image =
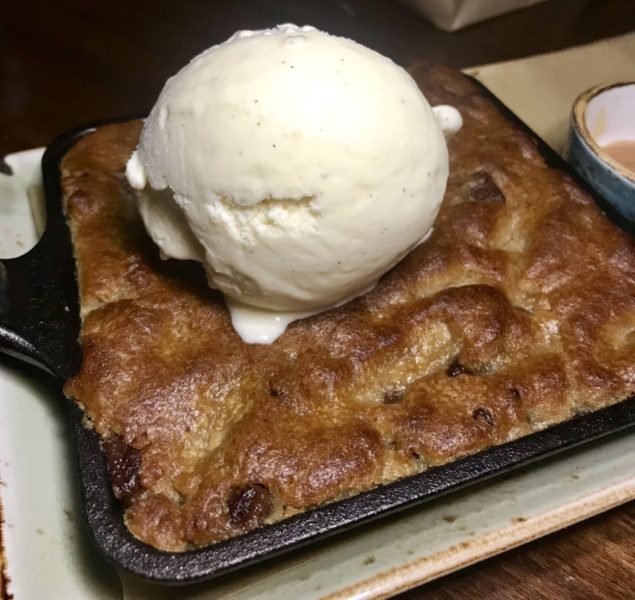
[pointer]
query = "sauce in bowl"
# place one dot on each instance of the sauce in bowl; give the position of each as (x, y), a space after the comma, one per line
(622, 151)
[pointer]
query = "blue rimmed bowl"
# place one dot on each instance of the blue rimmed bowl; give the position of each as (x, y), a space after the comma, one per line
(602, 115)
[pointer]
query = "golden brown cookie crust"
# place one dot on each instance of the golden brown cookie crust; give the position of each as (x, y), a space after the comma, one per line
(517, 313)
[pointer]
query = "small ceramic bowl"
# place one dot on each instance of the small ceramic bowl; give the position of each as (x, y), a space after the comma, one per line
(603, 115)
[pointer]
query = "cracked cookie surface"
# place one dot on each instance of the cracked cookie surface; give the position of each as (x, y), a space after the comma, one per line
(517, 313)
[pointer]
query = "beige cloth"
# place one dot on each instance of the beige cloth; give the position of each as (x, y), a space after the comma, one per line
(541, 89)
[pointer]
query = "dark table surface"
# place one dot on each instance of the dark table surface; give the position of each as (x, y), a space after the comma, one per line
(64, 63)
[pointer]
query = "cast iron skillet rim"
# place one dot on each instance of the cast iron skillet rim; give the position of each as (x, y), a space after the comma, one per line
(272, 540)
(105, 516)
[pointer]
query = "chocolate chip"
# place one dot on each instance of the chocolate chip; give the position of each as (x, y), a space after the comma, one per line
(123, 465)
(483, 415)
(275, 392)
(394, 396)
(482, 188)
(455, 369)
(251, 503)
(515, 393)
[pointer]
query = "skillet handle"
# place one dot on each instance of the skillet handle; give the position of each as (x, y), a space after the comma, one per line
(39, 316)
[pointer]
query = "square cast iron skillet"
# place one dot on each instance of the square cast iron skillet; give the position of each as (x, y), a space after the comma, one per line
(39, 323)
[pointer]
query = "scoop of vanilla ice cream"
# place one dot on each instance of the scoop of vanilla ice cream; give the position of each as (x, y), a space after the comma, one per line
(297, 166)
